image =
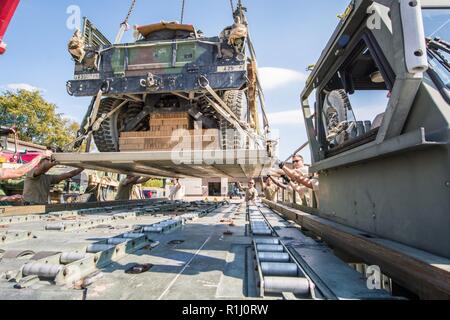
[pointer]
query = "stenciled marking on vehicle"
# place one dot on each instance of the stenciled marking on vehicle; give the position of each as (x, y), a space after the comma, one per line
(91, 76)
(231, 68)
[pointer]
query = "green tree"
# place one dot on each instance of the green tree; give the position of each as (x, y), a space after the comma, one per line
(37, 120)
(154, 183)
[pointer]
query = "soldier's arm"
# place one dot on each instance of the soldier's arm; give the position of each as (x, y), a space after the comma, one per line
(292, 174)
(68, 175)
(306, 182)
(128, 181)
(276, 172)
(43, 168)
(143, 180)
(278, 184)
(15, 198)
(264, 186)
(6, 174)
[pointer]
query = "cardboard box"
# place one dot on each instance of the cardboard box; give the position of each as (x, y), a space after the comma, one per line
(189, 139)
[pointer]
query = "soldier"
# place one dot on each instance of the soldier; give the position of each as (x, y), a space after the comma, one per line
(126, 187)
(175, 190)
(7, 174)
(38, 183)
(251, 194)
(270, 189)
(235, 191)
(299, 171)
(308, 182)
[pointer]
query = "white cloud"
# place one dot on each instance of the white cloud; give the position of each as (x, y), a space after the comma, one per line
(292, 117)
(23, 86)
(273, 78)
(369, 113)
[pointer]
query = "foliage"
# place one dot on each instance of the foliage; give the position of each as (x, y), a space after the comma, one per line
(37, 120)
(154, 183)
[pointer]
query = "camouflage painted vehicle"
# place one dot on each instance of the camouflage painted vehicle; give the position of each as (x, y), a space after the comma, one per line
(170, 68)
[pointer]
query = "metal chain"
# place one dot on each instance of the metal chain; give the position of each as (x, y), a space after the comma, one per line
(133, 4)
(183, 2)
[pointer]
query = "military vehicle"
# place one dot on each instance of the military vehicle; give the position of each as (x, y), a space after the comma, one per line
(387, 175)
(171, 68)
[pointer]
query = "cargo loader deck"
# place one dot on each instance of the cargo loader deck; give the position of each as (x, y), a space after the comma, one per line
(198, 164)
(169, 251)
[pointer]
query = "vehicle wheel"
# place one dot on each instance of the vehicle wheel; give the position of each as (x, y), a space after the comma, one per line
(237, 102)
(336, 108)
(107, 137)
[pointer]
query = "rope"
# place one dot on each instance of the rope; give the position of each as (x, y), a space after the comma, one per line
(262, 98)
(183, 3)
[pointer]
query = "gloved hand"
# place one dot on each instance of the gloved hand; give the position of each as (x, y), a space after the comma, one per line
(286, 179)
(281, 165)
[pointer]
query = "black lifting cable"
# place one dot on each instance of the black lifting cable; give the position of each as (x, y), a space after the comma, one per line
(130, 11)
(183, 3)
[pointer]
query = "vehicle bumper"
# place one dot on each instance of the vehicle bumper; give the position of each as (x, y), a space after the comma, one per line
(164, 84)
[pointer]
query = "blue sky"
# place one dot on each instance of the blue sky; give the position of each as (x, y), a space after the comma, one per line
(288, 35)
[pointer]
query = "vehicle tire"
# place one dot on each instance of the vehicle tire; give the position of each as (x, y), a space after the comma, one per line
(336, 110)
(338, 101)
(107, 137)
(237, 102)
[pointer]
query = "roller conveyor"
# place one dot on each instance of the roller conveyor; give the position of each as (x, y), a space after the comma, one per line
(197, 243)
(67, 268)
(277, 270)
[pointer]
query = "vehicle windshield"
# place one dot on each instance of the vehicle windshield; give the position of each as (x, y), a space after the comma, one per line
(437, 26)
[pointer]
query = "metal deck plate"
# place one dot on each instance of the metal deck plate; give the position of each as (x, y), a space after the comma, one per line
(206, 258)
(198, 164)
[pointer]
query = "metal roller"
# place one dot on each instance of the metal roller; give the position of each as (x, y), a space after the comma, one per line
(55, 227)
(255, 228)
(273, 257)
(117, 241)
(42, 270)
(132, 235)
(259, 225)
(153, 229)
(276, 269)
(280, 285)
(95, 248)
(269, 248)
(267, 241)
(69, 257)
(262, 232)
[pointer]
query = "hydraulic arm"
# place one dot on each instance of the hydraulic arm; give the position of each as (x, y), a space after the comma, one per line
(7, 9)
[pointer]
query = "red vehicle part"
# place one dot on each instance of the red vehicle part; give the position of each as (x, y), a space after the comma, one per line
(7, 9)
(18, 158)
(15, 157)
